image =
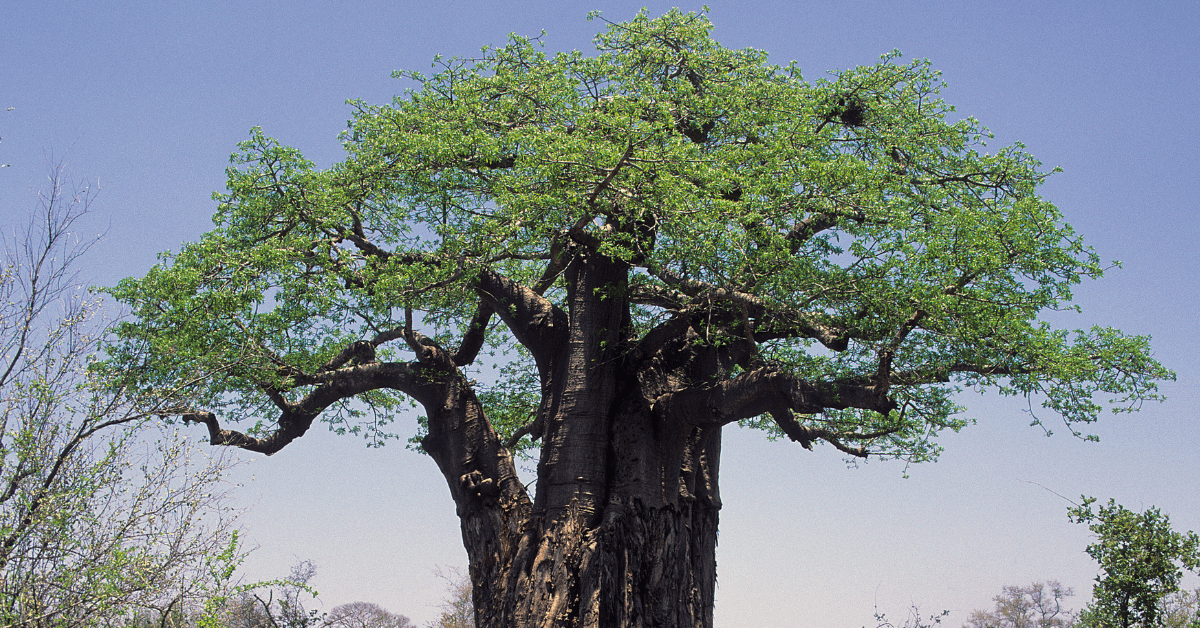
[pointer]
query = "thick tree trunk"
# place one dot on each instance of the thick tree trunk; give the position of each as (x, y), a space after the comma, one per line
(626, 561)
(639, 567)
(622, 528)
(634, 565)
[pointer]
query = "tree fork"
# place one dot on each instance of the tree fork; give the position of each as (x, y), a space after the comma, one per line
(633, 541)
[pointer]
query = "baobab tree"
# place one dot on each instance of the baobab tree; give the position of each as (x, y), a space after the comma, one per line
(664, 238)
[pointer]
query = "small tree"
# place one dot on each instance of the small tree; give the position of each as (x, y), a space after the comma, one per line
(98, 518)
(1141, 561)
(1182, 609)
(1039, 605)
(458, 610)
(365, 615)
(269, 604)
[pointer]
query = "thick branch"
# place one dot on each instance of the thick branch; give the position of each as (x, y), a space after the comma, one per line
(703, 289)
(763, 391)
(521, 432)
(671, 330)
(774, 324)
(294, 421)
(361, 352)
(804, 230)
(771, 322)
(658, 296)
(536, 323)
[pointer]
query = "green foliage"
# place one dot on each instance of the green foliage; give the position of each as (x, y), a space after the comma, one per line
(1141, 561)
(861, 204)
(279, 603)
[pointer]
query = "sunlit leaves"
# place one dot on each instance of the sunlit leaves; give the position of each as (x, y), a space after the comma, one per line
(1141, 561)
(860, 204)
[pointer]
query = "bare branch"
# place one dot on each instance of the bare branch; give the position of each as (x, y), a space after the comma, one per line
(297, 417)
(763, 391)
(805, 435)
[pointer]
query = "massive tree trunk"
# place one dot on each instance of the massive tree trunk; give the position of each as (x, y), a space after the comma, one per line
(615, 561)
(622, 528)
(628, 565)
(636, 566)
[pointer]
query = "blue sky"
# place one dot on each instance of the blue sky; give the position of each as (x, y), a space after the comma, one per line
(149, 99)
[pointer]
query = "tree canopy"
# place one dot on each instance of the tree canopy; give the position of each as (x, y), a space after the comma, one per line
(851, 229)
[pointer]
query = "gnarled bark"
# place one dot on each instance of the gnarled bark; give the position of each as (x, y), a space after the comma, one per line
(623, 527)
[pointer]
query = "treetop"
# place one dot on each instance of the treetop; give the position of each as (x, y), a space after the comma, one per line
(853, 232)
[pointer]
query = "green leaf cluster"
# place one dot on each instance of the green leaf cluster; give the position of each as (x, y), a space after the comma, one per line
(1141, 561)
(859, 203)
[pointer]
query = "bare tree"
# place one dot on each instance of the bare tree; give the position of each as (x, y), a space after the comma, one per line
(913, 620)
(1039, 605)
(365, 615)
(458, 609)
(98, 517)
(1182, 609)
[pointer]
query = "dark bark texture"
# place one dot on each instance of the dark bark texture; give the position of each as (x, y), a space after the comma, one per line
(622, 528)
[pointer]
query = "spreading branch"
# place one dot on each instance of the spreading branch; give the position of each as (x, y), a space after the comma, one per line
(763, 391)
(296, 417)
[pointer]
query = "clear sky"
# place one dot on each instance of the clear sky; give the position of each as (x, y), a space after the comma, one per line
(149, 98)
